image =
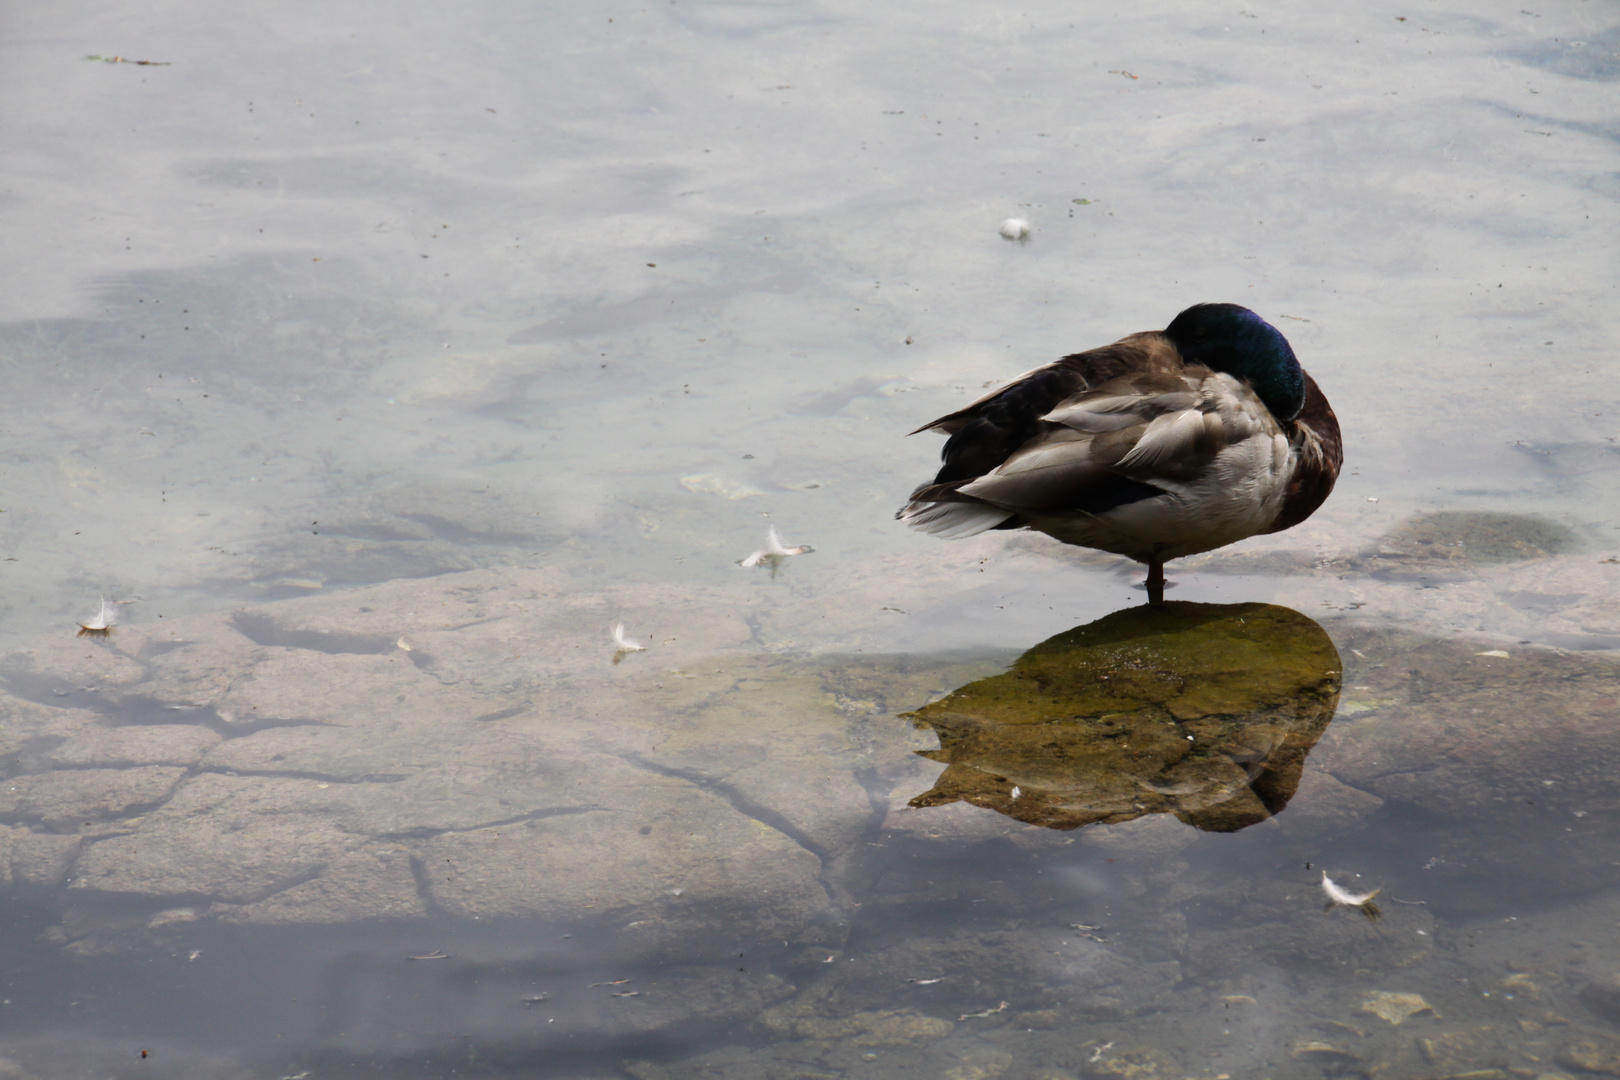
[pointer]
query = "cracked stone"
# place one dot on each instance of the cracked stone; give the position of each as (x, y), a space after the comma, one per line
(27, 730)
(31, 858)
(682, 858)
(232, 839)
(379, 692)
(367, 882)
(122, 747)
(71, 798)
(69, 665)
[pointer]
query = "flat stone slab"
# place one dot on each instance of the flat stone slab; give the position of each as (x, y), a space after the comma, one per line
(473, 746)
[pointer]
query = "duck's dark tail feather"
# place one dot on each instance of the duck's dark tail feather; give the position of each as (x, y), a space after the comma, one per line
(938, 510)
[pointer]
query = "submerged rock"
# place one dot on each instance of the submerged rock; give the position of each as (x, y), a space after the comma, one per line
(1394, 1007)
(1592, 1055)
(65, 799)
(459, 746)
(1467, 538)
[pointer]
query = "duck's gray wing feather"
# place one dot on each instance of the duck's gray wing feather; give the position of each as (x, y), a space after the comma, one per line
(1123, 433)
(986, 432)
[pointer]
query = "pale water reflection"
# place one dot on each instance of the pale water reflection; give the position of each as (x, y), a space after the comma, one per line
(377, 362)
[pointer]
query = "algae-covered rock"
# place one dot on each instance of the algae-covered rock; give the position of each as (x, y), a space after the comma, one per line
(1203, 711)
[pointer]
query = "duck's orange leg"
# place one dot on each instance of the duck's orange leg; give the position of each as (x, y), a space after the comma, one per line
(1155, 581)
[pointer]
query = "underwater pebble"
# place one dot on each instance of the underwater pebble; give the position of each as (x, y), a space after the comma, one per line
(1395, 1008)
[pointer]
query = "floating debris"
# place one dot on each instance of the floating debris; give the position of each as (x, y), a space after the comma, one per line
(629, 993)
(623, 644)
(536, 999)
(926, 982)
(102, 624)
(436, 954)
(988, 1012)
(1395, 1008)
(773, 553)
(143, 63)
(615, 982)
(1015, 228)
(1338, 896)
(1495, 652)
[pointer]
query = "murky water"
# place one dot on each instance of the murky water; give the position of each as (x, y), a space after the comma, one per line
(375, 361)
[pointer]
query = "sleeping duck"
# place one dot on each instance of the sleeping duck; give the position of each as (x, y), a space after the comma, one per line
(1163, 444)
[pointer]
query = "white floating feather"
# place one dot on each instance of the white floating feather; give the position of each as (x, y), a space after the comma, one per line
(773, 552)
(1338, 895)
(625, 644)
(1015, 228)
(102, 623)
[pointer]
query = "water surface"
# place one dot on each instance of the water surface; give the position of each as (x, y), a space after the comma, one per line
(377, 361)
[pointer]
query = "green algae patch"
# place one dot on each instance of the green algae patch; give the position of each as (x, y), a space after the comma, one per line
(1204, 711)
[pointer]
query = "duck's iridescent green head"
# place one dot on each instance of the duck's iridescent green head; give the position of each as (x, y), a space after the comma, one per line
(1233, 339)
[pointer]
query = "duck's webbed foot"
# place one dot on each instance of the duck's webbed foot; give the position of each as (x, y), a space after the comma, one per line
(1155, 581)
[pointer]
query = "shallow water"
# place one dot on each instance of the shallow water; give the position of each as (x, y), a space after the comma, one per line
(377, 361)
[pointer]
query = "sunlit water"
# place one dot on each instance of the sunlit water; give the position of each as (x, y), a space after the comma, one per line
(553, 310)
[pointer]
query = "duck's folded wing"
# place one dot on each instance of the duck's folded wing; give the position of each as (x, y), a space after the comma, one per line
(1044, 385)
(1124, 403)
(989, 430)
(1040, 389)
(1113, 449)
(1063, 471)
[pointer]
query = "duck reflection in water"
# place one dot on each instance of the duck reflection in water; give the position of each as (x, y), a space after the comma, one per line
(1203, 711)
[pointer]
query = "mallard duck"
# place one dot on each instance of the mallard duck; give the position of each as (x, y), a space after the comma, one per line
(1164, 444)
